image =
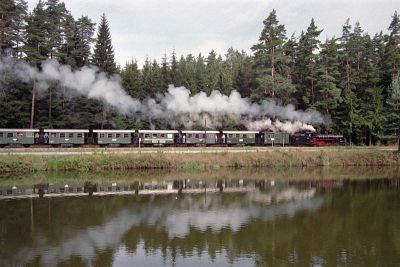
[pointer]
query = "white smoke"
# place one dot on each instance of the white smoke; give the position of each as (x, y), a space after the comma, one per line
(278, 126)
(177, 105)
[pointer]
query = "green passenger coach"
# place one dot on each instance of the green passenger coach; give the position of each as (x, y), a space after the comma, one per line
(280, 138)
(18, 136)
(158, 137)
(65, 136)
(200, 137)
(109, 137)
(240, 137)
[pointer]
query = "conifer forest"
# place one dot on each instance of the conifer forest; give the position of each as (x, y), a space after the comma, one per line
(353, 80)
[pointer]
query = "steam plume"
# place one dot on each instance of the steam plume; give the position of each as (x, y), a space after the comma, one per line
(177, 105)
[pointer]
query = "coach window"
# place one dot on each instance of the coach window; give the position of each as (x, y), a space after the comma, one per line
(245, 136)
(79, 135)
(1, 135)
(53, 135)
(190, 135)
(71, 135)
(19, 134)
(204, 135)
(118, 135)
(154, 135)
(237, 135)
(101, 135)
(162, 135)
(230, 135)
(126, 135)
(109, 135)
(10, 135)
(146, 135)
(29, 134)
(197, 135)
(62, 135)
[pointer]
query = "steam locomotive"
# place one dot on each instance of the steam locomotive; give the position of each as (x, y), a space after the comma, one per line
(95, 137)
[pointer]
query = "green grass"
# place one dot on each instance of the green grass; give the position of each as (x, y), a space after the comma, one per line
(199, 161)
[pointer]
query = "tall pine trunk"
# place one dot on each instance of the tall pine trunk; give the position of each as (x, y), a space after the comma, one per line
(50, 124)
(33, 103)
(273, 71)
(369, 138)
(312, 92)
(398, 143)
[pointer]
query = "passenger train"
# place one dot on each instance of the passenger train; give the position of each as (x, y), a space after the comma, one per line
(96, 137)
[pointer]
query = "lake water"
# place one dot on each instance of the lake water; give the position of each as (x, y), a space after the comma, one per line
(258, 217)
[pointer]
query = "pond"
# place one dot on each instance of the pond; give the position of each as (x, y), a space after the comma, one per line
(254, 217)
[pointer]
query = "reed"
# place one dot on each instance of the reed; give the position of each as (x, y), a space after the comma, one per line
(199, 161)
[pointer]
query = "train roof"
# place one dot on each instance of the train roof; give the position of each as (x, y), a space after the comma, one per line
(113, 131)
(329, 135)
(200, 132)
(19, 130)
(158, 131)
(240, 132)
(65, 130)
(270, 132)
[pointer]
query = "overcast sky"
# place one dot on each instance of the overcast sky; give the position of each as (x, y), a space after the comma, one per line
(141, 28)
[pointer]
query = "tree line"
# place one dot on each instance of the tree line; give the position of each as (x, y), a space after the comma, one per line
(353, 79)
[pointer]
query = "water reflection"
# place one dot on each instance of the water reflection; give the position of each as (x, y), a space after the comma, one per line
(305, 223)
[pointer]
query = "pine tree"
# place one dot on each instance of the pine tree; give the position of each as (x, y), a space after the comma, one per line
(241, 73)
(56, 14)
(270, 60)
(327, 95)
(165, 79)
(393, 125)
(188, 67)
(35, 45)
(213, 72)
(176, 76)
(103, 55)
(12, 23)
(131, 80)
(225, 81)
(146, 82)
(289, 50)
(349, 118)
(373, 114)
(199, 75)
(86, 29)
(307, 63)
(68, 52)
(392, 52)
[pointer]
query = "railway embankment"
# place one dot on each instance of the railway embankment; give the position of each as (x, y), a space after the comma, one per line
(196, 159)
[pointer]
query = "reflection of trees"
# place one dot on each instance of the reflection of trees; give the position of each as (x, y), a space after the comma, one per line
(353, 227)
(55, 219)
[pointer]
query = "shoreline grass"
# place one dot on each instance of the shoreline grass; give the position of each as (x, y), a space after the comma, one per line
(199, 161)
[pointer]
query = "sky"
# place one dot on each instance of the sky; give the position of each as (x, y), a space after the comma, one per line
(152, 28)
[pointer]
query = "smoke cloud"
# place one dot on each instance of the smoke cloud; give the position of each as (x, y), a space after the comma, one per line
(177, 105)
(278, 126)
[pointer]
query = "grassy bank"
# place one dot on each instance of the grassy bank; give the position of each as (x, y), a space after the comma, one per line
(200, 161)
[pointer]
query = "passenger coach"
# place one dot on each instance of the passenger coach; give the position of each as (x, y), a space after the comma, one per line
(200, 137)
(158, 137)
(239, 137)
(65, 137)
(18, 137)
(113, 137)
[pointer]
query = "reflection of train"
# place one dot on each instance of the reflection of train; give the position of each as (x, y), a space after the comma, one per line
(79, 137)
